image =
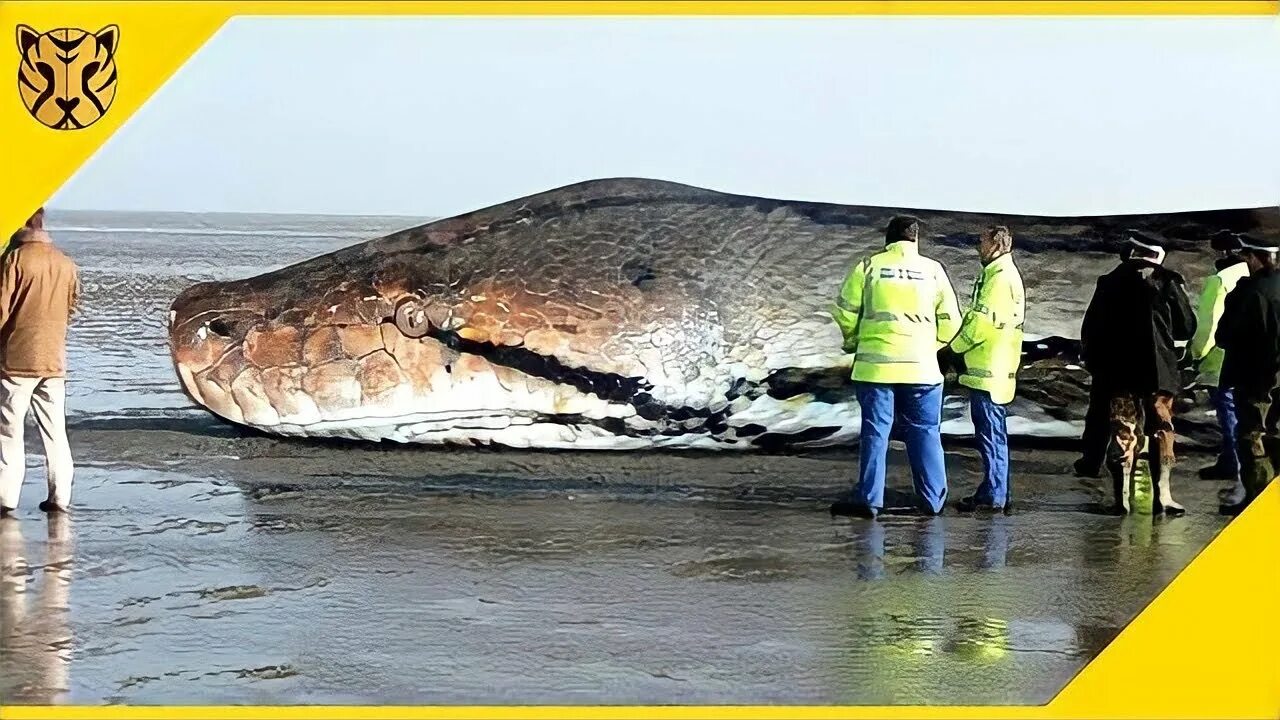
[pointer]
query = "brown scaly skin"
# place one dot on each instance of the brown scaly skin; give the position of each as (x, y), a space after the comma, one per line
(620, 313)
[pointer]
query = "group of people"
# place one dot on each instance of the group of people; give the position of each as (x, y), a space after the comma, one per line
(39, 290)
(1138, 313)
(900, 319)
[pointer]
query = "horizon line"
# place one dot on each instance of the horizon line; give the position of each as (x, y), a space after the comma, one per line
(56, 208)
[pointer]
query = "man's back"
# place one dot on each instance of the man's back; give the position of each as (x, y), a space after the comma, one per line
(896, 309)
(1137, 314)
(905, 311)
(1105, 324)
(39, 286)
(1203, 349)
(1249, 333)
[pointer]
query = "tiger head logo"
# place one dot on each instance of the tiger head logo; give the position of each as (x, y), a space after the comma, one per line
(67, 77)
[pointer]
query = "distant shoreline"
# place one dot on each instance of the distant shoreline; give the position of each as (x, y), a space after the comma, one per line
(54, 212)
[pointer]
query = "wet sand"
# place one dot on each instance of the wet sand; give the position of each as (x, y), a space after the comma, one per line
(202, 566)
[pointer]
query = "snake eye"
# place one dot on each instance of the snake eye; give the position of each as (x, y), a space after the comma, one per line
(411, 318)
(220, 327)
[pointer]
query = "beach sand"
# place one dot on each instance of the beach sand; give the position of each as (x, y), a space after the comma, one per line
(206, 567)
(202, 565)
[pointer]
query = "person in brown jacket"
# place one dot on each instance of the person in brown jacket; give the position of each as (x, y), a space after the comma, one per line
(39, 288)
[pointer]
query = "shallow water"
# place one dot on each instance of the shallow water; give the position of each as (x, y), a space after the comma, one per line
(205, 566)
(229, 570)
(133, 265)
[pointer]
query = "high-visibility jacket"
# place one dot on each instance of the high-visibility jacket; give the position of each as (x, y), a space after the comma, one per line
(896, 310)
(1203, 349)
(990, 337)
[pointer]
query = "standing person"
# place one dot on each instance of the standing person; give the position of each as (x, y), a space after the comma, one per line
(35, 222)
(896, 310)
(1249, 335)
(39, 288)
(990, 345)
(1096, 433)
(1231, 268)
(1137, 313)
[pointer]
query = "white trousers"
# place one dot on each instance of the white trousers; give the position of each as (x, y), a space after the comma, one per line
(46, 398)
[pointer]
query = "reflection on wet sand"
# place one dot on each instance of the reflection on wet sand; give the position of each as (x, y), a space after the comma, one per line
(995, 535)
(35, 638)
(229, 570)
(939, 618)
(929, 545)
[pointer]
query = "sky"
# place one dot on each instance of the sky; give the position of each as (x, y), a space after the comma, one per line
(438, 116)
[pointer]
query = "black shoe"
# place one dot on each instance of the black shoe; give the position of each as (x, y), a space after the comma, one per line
(51, 507)
(1085, 469)
(849, 508)
(1233, 510)
(1118, 509)
(6, 511)
(1217, 472)
(971, 504)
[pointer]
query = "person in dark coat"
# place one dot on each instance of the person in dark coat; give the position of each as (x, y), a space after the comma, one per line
(1097, 431)
(1138, 311)
(1249, 334)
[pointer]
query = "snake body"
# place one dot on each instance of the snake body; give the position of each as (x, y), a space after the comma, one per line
(612, 314)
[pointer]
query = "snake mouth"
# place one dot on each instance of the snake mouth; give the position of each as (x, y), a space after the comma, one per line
(404, 371)
(206, 341)
(412, 372)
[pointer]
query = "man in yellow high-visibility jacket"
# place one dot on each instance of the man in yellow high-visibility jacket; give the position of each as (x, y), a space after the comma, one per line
(896, 310)
(990, 343)
(1231, 268)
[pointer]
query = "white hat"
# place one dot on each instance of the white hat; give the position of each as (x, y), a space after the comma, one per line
(1147, 243)
(1248, 243)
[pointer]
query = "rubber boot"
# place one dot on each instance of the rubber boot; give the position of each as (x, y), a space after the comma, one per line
(1164, 501)
(1161, 459)
(1121, 479)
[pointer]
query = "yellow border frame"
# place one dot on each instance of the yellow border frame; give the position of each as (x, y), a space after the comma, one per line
(1208, 646)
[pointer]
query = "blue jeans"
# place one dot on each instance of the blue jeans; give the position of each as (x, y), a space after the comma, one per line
(920, 411)
(993, 445)
(1224, 403)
